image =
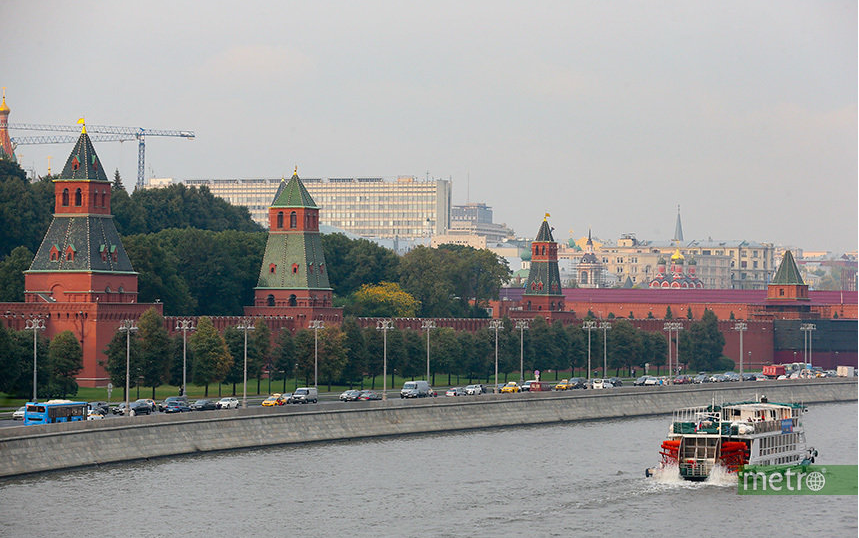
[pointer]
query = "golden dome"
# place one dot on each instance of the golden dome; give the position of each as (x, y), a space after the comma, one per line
(677, 255)
(4, 109)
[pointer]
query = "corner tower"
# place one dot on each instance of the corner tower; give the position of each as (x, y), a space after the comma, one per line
(543, 289)
(293, 279)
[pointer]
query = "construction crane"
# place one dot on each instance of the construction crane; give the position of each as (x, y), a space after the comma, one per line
(98, 133)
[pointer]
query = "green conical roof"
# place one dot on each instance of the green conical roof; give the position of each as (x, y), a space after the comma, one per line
(545, 233)
(293, 194)
(83, 163)
(787, 272)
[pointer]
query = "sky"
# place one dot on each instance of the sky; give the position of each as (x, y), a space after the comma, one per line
(607, 115)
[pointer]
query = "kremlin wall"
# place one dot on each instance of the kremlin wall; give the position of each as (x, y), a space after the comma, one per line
(81, 280)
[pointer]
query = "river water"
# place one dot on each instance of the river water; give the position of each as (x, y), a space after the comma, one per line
(582, 478)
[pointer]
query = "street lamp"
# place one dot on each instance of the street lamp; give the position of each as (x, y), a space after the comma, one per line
(589, 325)
(384, 325)
(522, 325)
(676, 327)
(806, 328)
(127, 326)
(35, 325)
(316, 324)
(741, 327)
(245, 324)
(605, 326)
(428, 324)
(184, 325)
(496, 325)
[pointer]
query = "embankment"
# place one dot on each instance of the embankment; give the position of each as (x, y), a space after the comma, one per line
(32, 449)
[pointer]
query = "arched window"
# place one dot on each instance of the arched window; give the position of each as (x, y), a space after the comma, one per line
(280, 219)
(272, 268)
(103, 198)
(78, 198)
(292, 301)
(270, 300)
(293, 219)
(544, 250)
(65, 197)
(95, 198)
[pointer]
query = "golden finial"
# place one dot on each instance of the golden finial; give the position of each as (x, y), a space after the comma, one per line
(83, 124)
(3, 106)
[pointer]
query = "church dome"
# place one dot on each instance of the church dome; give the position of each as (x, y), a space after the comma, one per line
(677, 256)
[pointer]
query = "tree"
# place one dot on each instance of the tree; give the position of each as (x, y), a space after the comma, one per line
(154, 349)
(159, 278)
(284, 356)
(656, 350)
(386, 299)
(12, 274)
(355, 262)
(356, 352)
(116, 351)
(65, 359)
(668, 314)
(624, 345)
(11, 365)
(262, 351)
(706, 343)
(117, 183)
(332, 354)
(235, 340)
(212, 359)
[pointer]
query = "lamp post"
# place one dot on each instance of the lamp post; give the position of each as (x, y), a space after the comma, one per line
(806, 328)
(605, 326)
(522, 325)
(496, 325)
(245, 324)
(35, 325)
(676, 327)
(384, 325)
(589, 325)
(741, 327)
(428, 324)
(316, 324)
(184, 325)
(127, 326)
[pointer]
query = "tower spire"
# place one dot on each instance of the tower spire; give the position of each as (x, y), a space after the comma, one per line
(678, 228)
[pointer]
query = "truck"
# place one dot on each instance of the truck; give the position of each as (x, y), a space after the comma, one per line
(845, 371)
(774, 370)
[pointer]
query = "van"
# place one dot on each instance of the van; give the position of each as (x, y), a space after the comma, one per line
(305, 395)
(415, 389)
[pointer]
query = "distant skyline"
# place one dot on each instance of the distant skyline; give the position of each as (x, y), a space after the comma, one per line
(604, 114)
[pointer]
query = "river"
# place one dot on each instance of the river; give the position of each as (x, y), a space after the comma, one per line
(583, 478)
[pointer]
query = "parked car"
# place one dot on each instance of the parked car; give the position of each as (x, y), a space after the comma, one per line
(640, 381)
(305, 395)
(119, 409)
(599, 383)
(94, 415)
(274, 400)
(163, 405)
(19, 414)
(526, 386)
(701, 378)
(652, 381)
(151, 403)
(683, 379)
(510, 387)
(474, 390)
(369, 395)
(415, 389)
(578, 383)
(455, 391)
(616, 381)
(227, 403)
(350, 395)
(141, 408)
(204, 405)
(99, 407)
(177, 406)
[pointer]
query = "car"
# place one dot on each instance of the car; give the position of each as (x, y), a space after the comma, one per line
(369, 395)
(510, 387)
(701, 378)
(204, 405)
(19, 414)
(119, 409)
(640, 381)
(599, 383)
(474, 390)
(100, 407)
(163, 405)
(415, 389)
(578, 383)
(94, 415)
(718, 378)
(304, 395)
(526, 386)
(761, 377)
(151, 403)
(350, 395)
(652, 381)
(563, 384)
(455, 391)
(228, 402)
(141, 408)
(683, 379)
(274, 400)
(177, 406)
(616, 381)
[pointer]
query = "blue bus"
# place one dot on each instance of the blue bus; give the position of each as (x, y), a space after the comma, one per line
(54, 411)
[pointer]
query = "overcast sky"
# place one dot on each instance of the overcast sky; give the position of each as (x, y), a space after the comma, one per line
(604, 114)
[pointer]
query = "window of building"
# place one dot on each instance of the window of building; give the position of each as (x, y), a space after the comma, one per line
(270, 300)
(293, 219)
(65, 197)
(280, 219)
(78, 198)
(272, 268)
(294, 268)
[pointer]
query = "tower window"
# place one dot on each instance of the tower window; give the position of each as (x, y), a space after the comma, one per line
(78, 198)
(293, 219)
(65, 197)
(272, 268)
(294, 268)
(103, 199)
(270, 300)
(280, 219)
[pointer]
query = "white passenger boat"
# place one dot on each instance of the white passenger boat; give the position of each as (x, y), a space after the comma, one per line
(734, 434)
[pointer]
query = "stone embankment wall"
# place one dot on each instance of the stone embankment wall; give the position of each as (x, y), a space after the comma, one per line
(30, 449)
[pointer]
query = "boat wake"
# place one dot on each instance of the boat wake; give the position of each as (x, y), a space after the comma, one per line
(721, 476)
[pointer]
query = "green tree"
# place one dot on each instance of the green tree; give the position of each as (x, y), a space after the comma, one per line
(284, 356)
(116, 185)
(159, 278)
(656, 350)
(11, 366)
(212, 359)
(262, 351)
(668, 314)
(12, 274)
(65, 359)
(117, 349)
(353, 263)
(235, 340)
(332, 354)
(356, 352)
(706, 343)
(154, 349)
(624, 346)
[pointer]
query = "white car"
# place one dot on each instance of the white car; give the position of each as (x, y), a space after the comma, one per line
(601, 384)
(19, 414)
(473, 390)
(92, 415)
(227, 403)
